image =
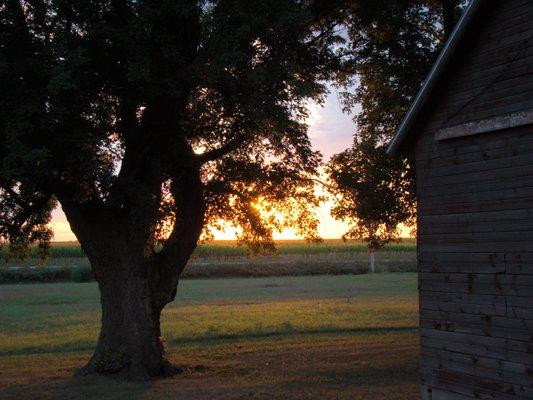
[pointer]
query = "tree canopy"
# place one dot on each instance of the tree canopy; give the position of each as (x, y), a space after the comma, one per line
(106, 103)
(393, 45)
(375, 188)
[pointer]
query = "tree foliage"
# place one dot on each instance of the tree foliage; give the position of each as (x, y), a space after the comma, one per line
(368, 182)
(393, 45)
(108, 104)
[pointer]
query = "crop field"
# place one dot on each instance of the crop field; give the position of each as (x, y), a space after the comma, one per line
(294, 337)
(229, 248)
(227, 259)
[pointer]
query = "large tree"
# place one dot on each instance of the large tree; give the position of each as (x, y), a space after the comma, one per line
(393, 44)
(148, 121)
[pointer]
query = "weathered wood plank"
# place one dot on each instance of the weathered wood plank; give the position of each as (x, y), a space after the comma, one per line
(480, 263)
(428, 149)
(491, 257)
(486, 88)
(505, 349)
(489, 125)
(434, 303)
(477, 268)
(478, 288)
(485, 320)
(477, 330)
(506, 236)
(470, 278)
(500, 173)
(500, 370)
(472, 218)
(464, 298)
(465, 158)
(487, 98)
(477, 387)
(486, 165)
(438, 394)
(466, 308)
(464, 228)
(487, 247)
(508, 204)
(496, 65)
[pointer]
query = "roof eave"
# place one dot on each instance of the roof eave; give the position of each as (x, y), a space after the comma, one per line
(433, 76)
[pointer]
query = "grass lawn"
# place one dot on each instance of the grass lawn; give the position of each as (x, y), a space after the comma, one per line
(319, 337)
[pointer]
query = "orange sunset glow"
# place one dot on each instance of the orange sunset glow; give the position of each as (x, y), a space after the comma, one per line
(330, 131)
(329, 228)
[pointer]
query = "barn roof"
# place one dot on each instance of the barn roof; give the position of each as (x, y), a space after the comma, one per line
(434, 75)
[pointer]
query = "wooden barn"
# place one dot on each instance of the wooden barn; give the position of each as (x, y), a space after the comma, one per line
(470, 131)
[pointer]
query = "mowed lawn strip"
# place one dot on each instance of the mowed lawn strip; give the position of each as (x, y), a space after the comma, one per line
(290, 337)
(65, 317)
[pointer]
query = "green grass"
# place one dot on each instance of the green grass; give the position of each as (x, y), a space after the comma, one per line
(64, 317)
(313, 337)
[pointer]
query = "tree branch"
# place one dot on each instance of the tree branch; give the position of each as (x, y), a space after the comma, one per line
(226, 148)
(187, 190)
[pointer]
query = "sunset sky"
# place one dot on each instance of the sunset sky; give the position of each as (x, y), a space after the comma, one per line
(330, 131)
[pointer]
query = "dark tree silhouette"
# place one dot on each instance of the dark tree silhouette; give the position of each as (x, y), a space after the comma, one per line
(393, 46)
(148, 121)
(373, 191)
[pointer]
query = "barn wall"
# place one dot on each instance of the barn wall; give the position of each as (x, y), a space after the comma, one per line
(475, 207)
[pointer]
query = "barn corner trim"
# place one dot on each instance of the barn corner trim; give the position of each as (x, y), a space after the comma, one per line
(433, 76)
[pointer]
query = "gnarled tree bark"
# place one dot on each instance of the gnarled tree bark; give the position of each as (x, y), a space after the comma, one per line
(136, 282)
(130, 338)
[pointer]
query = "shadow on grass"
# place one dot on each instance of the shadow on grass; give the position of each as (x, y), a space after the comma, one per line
(59, 388)
(213, 335)
(341, 370)
(378, 377)
(100, 387)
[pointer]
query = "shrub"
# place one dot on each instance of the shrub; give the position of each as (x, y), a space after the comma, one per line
(34, 274)
(81, 273)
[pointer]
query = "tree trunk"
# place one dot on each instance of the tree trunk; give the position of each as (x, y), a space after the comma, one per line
(136, 282)
(130, 342)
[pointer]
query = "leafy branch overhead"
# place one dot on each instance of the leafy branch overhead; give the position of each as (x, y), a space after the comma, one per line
(393, 44)
(105, 104)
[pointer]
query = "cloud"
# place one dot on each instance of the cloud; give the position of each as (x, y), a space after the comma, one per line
(330, 130)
